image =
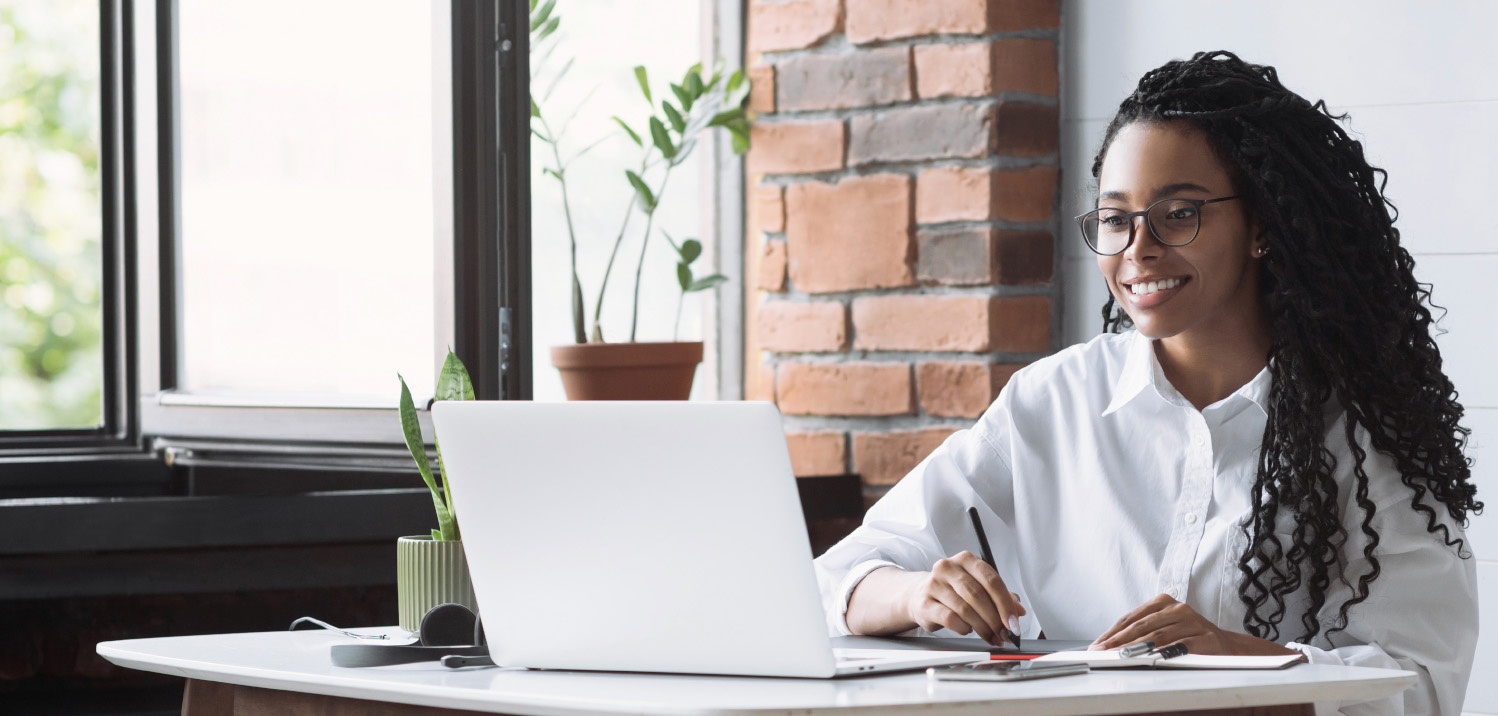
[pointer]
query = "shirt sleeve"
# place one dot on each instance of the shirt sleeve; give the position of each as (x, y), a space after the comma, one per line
(1420, 616)
(923, 518)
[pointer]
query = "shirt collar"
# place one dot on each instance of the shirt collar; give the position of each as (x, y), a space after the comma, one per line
(1257, 390)
(1138, 372)
(1142, 369)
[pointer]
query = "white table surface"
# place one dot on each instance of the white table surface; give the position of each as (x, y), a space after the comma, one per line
(298, 661)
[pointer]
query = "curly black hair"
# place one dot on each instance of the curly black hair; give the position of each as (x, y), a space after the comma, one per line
(1349, 324)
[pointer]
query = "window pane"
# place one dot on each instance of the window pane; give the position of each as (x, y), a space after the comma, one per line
(51, 358)
(604, 41)
(306, 204)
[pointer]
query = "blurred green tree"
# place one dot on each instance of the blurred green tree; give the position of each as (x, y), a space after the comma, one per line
(51, 357)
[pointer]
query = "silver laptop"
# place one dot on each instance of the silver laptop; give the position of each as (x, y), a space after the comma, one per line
(634, 536)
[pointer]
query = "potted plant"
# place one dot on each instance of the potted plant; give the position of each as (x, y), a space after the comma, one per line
(591, 367)
(432, 569)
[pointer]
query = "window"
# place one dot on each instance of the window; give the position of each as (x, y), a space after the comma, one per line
(340, 202)
(583, 76)
(51, 217)
(307, 231)
(65, 363)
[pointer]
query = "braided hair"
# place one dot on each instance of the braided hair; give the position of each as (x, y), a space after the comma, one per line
(1349, 323)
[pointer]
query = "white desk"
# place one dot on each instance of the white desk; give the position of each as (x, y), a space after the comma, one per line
(282, 667)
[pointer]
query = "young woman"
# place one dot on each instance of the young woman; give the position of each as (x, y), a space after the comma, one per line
(1268, 461)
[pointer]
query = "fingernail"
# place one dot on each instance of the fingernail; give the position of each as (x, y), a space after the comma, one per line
(1014, 625)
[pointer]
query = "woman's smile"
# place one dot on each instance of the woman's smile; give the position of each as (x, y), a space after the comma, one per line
(1146, 292)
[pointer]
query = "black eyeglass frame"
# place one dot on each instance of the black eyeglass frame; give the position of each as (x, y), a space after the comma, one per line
(1129, 216)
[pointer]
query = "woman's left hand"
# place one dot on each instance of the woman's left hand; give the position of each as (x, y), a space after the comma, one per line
(1165, 621)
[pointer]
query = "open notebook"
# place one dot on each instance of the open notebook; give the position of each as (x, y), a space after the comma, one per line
(1111, 659)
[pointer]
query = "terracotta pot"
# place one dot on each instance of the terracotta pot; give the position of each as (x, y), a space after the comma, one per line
(627, 371)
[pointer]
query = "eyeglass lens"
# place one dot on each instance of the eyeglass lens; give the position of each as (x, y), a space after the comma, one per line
(1174, 222)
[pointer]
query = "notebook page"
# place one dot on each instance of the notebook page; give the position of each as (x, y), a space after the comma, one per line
(1201, 661)
(1108, 659)
(1112, 659)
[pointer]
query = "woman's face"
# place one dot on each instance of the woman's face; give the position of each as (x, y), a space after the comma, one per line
(1215, 277)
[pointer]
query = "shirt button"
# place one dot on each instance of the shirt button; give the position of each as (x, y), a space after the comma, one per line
(1172, 593)
(1190, 518)
(1198, 441)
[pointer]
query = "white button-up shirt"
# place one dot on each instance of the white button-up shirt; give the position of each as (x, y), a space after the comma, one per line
(1100, 487)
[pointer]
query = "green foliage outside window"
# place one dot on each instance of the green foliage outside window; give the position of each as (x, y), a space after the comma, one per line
(51, 360)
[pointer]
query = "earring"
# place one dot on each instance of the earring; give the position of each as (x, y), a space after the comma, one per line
(1261, 251)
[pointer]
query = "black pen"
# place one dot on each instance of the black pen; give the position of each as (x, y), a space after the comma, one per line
(972, 512)
(1172, 651)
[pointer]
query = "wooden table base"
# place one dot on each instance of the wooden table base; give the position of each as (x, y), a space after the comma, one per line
(212, 698)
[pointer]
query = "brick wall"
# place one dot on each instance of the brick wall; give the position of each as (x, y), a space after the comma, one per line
(902, 219)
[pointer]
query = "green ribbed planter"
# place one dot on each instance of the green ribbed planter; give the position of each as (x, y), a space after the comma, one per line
(429, 572)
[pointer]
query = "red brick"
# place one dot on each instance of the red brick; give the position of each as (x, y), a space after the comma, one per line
(1027, 130)
(762, 89)
(863, 78)
(924, 323)
(1012, 15)
(981, 69)
(775, 26)
(772, 266)
(1024, 194)
(870, 20)
(818, 453)
(960, 389)
(943, 131)
(1022, 324)
(770, 203)
(1024, 65)
(1025, 257)
(957, 257)
(793, 147)
(802, 327)
(856, 388)
(954, 194)
(854, 234)
(884, 458)
(963, 70)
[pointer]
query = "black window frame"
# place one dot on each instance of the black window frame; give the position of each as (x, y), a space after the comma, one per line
(117, 432)
(491, 277)
(490, 253)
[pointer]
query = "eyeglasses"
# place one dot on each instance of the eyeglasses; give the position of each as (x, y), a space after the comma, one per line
(1173, 222)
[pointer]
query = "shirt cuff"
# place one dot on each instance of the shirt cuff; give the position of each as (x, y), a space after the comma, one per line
(845, 592)
(1316, 655)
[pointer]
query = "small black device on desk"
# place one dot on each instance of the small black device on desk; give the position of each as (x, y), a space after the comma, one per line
(1005, 670)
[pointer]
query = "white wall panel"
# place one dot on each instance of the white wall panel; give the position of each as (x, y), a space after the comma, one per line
(1079, 141)
(1082, 318)
(1352, 52)
(1465, 286)
(1438, 157)
(1482, 447)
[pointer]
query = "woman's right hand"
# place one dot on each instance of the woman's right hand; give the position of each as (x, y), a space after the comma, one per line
(964, 594)
(961, 593)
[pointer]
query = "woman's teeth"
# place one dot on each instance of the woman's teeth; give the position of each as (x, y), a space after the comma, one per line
(1149, 287)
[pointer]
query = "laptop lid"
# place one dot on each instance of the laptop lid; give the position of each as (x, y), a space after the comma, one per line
(635, 536)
